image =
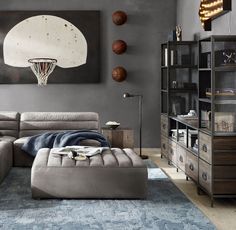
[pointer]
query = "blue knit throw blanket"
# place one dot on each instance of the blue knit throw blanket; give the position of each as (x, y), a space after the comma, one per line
(61, 139)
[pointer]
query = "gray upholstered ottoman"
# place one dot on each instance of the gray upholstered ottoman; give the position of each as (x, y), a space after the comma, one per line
(115, 173)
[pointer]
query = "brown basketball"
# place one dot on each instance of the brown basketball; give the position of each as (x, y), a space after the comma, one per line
(119, 74)
(119, 46)
(119, 17)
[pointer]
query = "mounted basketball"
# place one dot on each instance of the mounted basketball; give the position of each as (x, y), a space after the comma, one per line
(119, 74)
(119, 46)
(119, 17)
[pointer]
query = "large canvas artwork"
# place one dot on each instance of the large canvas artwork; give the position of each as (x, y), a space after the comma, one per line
(65, 43)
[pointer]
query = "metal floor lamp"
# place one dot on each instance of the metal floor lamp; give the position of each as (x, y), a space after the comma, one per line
(140, 97)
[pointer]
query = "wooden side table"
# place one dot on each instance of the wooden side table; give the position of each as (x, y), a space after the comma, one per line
(119, 137)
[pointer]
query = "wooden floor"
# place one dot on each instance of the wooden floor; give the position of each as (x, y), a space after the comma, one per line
(223, 214)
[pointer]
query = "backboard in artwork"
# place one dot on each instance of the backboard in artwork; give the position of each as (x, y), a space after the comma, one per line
(72, 38)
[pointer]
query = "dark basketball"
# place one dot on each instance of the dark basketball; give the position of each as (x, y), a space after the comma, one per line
(119, 17)
(119, 46)
(119, 74)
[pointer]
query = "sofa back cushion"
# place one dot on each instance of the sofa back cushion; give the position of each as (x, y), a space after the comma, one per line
(9, 124)
(33, 123)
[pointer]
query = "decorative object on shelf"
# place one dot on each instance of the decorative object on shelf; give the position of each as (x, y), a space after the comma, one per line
(221, 92)
(119, 46)
(119, 17)
(205, 118)
(177, 133)
(112, 124)
(174, 85)
(224, 121)
(211, 9)
(229, 57)
(173, 57)
(191, 114)
(191, 118)
(195, 146)
(177, 105)
(205, 60)
(43, 40)
(166, 57)
(178, 33)
(192, 136)
(140, 97)
(119, 74)
(225, 57)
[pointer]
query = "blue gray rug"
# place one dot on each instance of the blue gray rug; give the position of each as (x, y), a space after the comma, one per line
(166, 208)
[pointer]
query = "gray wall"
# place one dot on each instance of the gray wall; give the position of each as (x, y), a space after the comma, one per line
(149, 21)
(187, 17)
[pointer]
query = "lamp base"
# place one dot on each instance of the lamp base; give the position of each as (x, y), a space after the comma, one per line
(144, 157)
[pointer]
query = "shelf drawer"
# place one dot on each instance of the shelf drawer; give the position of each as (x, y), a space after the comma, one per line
(225, 158)
(227, 187)
(205, 177)
(225, 143)
(164, 146)
(225, 172)
(181, 157)
(172, 152)
(164, 125)
(205, 148)
(192, 166)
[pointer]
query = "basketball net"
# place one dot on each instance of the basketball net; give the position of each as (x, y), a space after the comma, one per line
(42, 68)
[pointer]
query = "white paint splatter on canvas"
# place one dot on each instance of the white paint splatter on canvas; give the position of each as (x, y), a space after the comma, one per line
(45, 36)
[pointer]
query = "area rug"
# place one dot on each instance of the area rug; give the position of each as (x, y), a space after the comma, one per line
(166, 207)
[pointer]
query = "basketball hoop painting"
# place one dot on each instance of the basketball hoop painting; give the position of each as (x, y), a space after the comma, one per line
(59, 44)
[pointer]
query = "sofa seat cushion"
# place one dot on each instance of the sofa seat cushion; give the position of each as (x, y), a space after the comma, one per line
(7, 138)
(116, 173)
(20, 157)
(20, 141)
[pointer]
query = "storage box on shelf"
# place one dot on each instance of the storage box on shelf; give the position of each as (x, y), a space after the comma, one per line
(204, 148)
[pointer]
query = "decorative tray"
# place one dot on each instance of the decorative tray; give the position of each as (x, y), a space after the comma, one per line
(222, 92)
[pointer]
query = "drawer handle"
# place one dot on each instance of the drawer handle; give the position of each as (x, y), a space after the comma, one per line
(181, 159)
(164, 126)
(204, 148)
(204, 176)
(191, 167)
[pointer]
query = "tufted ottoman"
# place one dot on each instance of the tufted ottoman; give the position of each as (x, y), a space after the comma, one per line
(115, 173)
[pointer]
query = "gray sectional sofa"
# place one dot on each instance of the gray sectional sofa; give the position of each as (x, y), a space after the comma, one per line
(116, 173)
(15, 128)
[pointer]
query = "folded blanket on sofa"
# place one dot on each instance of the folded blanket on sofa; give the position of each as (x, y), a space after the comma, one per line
(61, 139)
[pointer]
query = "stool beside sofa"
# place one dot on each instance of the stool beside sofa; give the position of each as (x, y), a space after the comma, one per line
(116, 173)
